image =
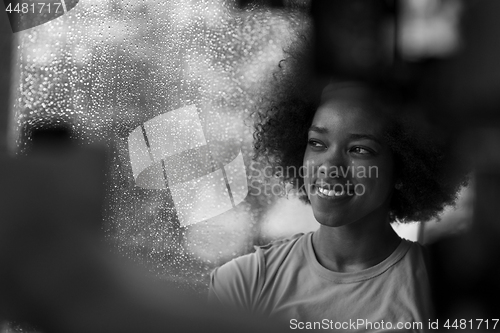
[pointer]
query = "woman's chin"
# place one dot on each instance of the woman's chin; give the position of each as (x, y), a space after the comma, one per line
(330, 220)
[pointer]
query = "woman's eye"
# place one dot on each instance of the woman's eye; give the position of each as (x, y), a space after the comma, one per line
(361, 150)
(315, 143)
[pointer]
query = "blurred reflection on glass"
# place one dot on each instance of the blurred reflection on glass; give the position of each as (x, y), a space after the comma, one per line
(112, 68)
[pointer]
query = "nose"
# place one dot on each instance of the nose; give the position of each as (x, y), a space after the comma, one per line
(333, 163)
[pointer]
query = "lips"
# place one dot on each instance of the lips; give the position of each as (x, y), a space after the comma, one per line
(330, 193)
(333, 191)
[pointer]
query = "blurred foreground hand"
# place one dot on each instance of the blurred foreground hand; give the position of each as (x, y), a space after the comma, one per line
(57, 272)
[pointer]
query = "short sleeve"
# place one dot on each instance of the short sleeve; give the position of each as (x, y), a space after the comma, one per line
(238, 283)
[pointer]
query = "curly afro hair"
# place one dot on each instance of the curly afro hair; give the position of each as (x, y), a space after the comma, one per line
(430, 171)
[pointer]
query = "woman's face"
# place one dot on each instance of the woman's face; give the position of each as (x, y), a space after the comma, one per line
(348, 166)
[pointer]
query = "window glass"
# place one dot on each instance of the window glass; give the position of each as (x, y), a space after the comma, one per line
(169, 87)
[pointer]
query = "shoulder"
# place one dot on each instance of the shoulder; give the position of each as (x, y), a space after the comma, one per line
(414, 276)
(410, 259)
(416, 253)
(240, 280)
(282, 254)
(254, 264)
(280, 248)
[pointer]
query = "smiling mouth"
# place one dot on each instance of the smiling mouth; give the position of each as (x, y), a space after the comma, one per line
(325, 192)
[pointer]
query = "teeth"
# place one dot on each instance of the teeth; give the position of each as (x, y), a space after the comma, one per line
(330, 193)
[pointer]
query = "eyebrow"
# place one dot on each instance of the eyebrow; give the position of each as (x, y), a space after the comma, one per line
(365, 136)
(321, 130)
(353, 136)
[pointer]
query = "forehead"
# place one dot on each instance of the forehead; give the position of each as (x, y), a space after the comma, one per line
(353, 114)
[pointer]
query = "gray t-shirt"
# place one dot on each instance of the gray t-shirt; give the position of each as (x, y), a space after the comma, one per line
(284, 279)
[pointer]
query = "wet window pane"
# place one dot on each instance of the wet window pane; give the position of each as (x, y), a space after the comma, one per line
(169, 87)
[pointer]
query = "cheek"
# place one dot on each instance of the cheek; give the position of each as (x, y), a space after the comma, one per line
(307, 174)
(386, 173)
(376, 177)
(308, 168)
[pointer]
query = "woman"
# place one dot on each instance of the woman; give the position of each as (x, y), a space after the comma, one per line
(361, 166)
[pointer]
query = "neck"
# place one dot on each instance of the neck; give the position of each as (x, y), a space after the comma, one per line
(355, 246)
